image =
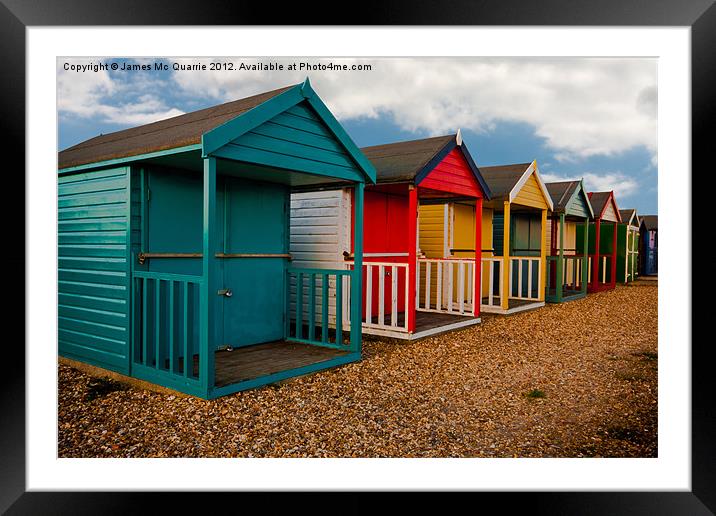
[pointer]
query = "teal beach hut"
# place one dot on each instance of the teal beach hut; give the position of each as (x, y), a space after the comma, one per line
(173, 246)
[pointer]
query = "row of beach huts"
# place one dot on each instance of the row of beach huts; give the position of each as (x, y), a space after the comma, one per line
(253, 241)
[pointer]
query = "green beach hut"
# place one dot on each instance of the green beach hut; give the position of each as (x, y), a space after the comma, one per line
(173, 246)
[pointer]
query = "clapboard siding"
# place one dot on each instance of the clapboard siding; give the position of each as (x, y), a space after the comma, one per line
(431, 230)
(93, 272)
(531, 194)
(320, 233)
(610, 214)
(453, 174)
(577, 206)
(297, 139)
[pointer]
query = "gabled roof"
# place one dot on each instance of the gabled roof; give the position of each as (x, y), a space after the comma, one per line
(629, 216)
(562, 192)
(412, 160)
(505, 181)
(171, 133)
(600, 201)
(651, 222)
(214, 128)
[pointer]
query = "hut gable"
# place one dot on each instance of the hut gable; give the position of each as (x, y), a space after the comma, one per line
(605, 207)
(441, 163)
(287, 129)
(519, 183)
(570, 198)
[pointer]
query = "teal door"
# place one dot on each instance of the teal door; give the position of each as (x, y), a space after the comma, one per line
(255, 222)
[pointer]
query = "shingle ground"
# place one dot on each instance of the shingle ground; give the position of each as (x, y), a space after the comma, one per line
(590, 366)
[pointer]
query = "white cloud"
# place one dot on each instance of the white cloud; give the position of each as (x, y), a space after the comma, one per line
(88, 94)
(581, 107)
(622, 185)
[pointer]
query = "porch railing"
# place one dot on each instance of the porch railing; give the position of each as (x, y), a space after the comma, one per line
(310, 295)
(165, 322)
(523, 272)
(446, 285)
(386, 296)
(572, 277)
(491, 281)
(604, 265)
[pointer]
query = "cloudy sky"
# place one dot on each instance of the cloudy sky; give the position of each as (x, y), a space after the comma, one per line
(591, 118)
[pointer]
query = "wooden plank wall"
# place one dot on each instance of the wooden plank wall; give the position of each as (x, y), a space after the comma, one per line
(93, 271)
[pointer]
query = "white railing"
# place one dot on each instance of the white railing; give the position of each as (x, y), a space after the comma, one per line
(604, 269)
(533, 267)
(488, 278)
(572, 272)
(445, 285)
(391, 299)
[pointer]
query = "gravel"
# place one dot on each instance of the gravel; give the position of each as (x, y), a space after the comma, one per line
(577, 379)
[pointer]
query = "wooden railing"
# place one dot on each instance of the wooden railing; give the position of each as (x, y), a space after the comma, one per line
(310, 294)
(491, 281)
(604, 265)
(523, 271)
(165, 321)
(572, 277)
(446, 285)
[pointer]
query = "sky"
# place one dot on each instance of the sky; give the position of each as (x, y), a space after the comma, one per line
(590, 118)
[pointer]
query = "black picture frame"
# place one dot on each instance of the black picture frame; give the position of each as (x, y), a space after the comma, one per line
(17, 15)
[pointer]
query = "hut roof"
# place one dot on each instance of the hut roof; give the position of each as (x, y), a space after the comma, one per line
(410, 160)
(562, 193)
(503, 178)
(599, 201)
(628, 214)
(171, 133)
(651, 222)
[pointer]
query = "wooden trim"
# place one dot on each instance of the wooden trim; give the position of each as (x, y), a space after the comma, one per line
(141, 257)
(532, 169)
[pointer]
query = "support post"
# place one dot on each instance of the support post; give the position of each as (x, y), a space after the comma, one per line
(595, 259)
(541, 288)
(357, 277)
(560, 261)
(209, 286)
(585, 261)
(412, 254)
(506, 271)
(477, 272)
(613, 280)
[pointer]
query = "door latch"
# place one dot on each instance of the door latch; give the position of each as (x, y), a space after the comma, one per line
(225, 292)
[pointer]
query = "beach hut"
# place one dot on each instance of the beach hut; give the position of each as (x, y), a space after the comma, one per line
(174, 265)
(649, 240)
(567, 270)
(628, 246)
(512, 236)
(406, 295)
(602, 242)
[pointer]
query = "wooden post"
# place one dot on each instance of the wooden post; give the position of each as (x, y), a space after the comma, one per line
(209, 286)
(543, 256)
(412, 255)
(595, 259)
(560, 261)
(357, 277)
(506, 272)
(614, 256)
(477, 272)
(585, 261)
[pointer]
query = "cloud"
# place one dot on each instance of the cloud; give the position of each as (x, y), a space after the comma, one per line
(581, 107)
(622, 185)
(97, 95)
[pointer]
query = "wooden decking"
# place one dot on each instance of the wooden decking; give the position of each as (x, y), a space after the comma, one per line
(513, 305)
(247, 363)
(426, 324)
